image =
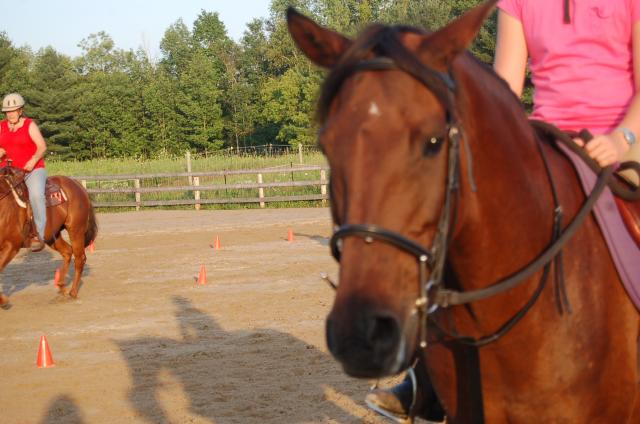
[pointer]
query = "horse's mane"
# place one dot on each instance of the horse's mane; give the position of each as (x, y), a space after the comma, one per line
(488, 69)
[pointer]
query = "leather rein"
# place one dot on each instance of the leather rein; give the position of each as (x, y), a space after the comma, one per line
(13, 183)
(433, 294)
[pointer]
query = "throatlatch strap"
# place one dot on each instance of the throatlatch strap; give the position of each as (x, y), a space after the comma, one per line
(567, 16)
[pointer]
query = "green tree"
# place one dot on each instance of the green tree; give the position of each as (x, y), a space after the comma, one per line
(199, 112)
(51, 97)
(289, 101)
(109, 110)
(176, 49)
(14, 66)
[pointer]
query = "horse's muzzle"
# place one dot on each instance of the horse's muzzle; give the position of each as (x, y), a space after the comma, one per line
(369, 346)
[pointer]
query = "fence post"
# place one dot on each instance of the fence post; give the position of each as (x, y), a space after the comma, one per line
(188, 158)
(84, 183)
(136, 184)
(261, 191)
(196, 194)
(300, 152)
(323, 186)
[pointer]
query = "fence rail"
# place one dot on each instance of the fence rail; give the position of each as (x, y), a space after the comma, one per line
(191, 193)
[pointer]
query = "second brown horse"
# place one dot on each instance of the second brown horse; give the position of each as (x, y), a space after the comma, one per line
(75, 215)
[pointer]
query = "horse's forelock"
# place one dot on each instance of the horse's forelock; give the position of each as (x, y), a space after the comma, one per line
(367, 45)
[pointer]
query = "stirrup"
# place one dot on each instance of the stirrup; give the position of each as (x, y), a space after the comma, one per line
(397, 418)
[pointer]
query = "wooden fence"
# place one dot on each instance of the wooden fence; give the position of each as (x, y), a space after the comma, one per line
(194, 189)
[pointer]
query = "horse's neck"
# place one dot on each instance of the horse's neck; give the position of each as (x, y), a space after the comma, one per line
(11, 215)
(511, 213)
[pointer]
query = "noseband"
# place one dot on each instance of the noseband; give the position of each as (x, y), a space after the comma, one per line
(433, 294)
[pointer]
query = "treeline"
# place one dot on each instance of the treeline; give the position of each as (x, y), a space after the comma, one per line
(205, 92)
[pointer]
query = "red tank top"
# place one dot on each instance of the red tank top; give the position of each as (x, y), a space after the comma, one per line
(18, 145)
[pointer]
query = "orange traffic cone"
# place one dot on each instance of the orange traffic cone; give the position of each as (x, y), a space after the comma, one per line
(56, 277)
(202, 276)
(290, 235)
(44, 360)
(92, 247)
(216, 245)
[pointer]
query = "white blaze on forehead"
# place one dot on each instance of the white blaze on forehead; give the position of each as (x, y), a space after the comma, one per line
(374, 109)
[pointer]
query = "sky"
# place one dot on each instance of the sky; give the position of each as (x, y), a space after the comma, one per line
(131, 24)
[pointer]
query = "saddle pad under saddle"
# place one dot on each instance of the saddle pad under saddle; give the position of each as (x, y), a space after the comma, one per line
(54, 194)
(630, 212)
(622, 246)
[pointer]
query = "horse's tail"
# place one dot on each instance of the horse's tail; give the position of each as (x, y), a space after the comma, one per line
(92, 227)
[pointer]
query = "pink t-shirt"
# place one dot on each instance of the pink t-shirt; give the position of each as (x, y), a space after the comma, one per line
(582, 71)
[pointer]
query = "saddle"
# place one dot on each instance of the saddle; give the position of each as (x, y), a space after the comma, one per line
(627, 196)
(53, 193)
(54, 196)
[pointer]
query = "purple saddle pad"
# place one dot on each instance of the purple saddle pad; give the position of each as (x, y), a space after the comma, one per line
(623, 249)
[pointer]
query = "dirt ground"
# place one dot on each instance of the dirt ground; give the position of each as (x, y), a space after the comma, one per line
(144, 344)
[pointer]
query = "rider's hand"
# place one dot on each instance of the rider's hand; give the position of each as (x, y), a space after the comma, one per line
(2, 152)
(29, 165)
(606, 149)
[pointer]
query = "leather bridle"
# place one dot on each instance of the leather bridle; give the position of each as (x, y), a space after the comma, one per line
(432, 292)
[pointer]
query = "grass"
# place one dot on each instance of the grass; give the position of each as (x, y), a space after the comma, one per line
(179, 164)
(286, 162)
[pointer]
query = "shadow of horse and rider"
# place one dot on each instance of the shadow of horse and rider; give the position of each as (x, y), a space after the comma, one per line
(233, 376)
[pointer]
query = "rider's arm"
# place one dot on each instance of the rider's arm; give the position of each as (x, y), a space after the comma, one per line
(632, 118)
(38, 139)
(2, 151)
(511, 52)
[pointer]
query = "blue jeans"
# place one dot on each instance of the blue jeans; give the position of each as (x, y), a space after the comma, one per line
(36, 181)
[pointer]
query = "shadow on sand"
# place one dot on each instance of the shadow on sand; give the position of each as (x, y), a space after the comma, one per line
(63, 410)
(233, 376)
(36, 269)
(321, 240)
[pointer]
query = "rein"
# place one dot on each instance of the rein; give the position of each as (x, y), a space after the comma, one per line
(433, 294)
(620, 189)
(12, 184)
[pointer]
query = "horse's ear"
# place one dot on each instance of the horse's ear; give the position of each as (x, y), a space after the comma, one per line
(444, 45)
(323, 46)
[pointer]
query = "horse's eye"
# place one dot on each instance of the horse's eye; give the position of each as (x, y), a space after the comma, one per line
(432, 146)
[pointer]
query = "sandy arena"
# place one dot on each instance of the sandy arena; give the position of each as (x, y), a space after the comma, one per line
(144, 344)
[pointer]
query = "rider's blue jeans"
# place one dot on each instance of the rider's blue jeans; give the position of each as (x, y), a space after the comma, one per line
(36, 181)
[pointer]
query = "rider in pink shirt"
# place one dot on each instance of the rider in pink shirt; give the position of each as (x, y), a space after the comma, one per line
(584, 58)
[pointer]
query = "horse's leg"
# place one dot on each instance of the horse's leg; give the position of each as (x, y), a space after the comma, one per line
(77, 245)
(65, 251)
(7, 252)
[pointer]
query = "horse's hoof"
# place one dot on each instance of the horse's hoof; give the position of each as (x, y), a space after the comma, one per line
(73, 294)
(6, 306)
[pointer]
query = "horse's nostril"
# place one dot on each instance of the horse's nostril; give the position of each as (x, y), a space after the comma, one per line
(383, 330)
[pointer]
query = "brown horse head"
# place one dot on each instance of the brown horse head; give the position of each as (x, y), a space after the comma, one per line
(388, 112)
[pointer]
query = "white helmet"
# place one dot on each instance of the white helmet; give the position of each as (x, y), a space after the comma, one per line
(11, 102)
